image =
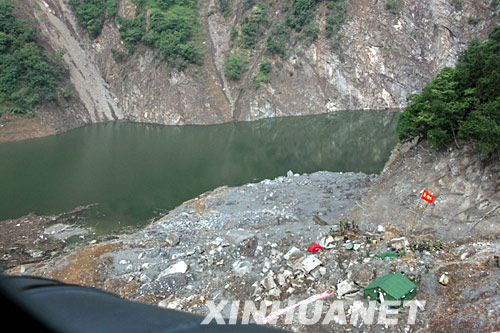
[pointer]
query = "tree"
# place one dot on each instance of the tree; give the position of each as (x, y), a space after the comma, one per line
(461, 102)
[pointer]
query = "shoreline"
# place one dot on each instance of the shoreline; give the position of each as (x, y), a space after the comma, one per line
(45, 237)
(16, 128)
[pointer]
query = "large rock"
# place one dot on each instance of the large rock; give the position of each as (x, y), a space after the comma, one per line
(237, 236)
(346, 287)
(309, 263)
(180, 267)
(268, 282)
(172, 239)
(248, 246)
(242, 267)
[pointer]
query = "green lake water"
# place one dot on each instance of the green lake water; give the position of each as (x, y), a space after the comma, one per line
(136, 171)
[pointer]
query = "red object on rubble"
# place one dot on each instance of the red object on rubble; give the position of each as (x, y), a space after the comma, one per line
(427, 196)
(314, 248)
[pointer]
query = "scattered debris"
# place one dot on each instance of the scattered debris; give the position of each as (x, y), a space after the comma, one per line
(234, 249)
(346, 287)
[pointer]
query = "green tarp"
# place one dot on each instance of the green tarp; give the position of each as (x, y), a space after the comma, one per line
(393, 287)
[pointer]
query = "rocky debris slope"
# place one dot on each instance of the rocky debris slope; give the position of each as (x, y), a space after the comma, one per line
(250, 243)
(465, 182)
(34, 238)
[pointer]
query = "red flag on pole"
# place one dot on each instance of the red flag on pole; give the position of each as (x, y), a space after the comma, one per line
(427, 197)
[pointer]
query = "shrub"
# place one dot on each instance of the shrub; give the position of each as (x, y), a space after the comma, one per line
(251, 29)
(276, 43)
(494, 5)
(250, 34)
(390, 5)
(312, 31)
(172, 34)
(118, 55)
(60, 53)
(92, 13)
(247, 4)
(461, 102)
(233, 33)
(132, 31)
(474, 20)
(66, 92)
(336, 17)
(265, 67)
(224, 7)
(302, 14)
(262, 76)
(234, 66)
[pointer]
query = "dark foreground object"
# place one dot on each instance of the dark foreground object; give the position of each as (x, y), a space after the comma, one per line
(54, 306)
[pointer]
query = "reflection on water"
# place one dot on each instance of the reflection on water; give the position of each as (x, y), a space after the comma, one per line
(131, 170)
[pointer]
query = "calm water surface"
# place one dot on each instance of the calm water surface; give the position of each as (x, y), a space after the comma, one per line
(134, 171)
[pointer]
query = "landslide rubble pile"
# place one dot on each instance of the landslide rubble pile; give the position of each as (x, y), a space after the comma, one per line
(251, 243)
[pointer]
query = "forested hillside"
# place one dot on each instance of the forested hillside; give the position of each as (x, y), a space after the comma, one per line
(461, 102)
(28, 75)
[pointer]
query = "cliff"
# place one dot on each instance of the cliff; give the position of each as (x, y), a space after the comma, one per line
(375, 59)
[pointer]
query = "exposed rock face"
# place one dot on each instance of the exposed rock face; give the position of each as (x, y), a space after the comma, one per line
(466, 189)
(60, 30)
(381, 58)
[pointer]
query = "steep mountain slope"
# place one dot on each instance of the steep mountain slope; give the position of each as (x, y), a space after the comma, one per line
(371, 55)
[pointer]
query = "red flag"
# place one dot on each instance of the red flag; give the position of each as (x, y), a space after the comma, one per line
(315, 247)
(427, 197)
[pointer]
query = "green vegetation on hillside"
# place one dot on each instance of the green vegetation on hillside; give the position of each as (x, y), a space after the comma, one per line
(224, 7)
(264, 69)
(28, 77)
(172, 31)
(92, 13)
(390, 5)
(461, 102)
(336, 17)
(302, 14)
(132, 31)
(276, 43)
(252, 27)
(172, 28)
(234, 66)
